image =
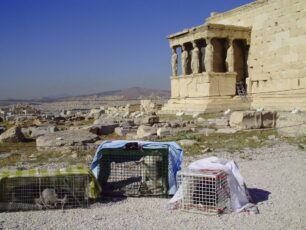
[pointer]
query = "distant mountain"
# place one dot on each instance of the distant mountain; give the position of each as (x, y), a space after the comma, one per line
(123, 94)
(52, 97)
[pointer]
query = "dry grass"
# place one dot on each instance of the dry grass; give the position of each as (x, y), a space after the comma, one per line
(27, 152)
(6, 124)
(171, 117)
(300, 141)
(21, 146)
(231, 142)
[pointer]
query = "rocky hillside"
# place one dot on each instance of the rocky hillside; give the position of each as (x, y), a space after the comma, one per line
(134, 93)
(124, 94)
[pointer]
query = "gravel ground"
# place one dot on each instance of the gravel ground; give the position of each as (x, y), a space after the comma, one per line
(276, 175)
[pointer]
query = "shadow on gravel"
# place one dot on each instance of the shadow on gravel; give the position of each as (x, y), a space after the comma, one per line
(27, 139)
(110, 199)
(259, 195)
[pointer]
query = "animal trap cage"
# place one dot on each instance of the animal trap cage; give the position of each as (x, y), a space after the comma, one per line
(204, 191)
(133, 171)
(43, 189)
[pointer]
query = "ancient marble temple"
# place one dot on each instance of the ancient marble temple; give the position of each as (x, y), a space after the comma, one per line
(250, 57)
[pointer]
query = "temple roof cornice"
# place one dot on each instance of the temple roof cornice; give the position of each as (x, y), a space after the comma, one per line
(209, 30)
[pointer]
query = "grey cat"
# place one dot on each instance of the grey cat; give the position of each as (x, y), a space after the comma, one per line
(49, 199)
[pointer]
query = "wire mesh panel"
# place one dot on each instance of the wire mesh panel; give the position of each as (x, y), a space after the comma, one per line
(204, 191)
(50, 192)
(134, 172)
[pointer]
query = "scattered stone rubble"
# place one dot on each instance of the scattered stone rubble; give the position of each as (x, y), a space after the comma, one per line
(12, 135)
(37, 131)
(68, 139)
(292, 124)
(2, 129)
(82, 129)
(253, 119)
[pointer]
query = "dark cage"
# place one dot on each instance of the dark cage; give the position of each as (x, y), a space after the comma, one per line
(134, 171)
(43, 189)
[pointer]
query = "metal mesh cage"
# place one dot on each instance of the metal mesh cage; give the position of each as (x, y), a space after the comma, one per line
(204, 191)
(49, 192)
(134, 172)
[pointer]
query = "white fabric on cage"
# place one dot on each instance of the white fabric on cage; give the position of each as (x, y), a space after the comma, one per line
(240, 199)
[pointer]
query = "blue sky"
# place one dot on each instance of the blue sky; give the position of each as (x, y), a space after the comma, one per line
(59, 47)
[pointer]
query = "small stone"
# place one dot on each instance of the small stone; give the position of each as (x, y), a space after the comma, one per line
(161, 132)
(195, 115)
(226, 130)
(271, 137)
(88, 158)
(5, 155)
(207, 150)
(174, 124)
(151, 120)
(200, 120)
(255, 138)
(206, 131)
(146, 131)
(187, 142)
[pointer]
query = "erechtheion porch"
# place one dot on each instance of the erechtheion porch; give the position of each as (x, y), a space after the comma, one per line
(208, 63)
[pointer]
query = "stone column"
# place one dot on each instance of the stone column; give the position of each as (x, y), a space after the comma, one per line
(209, 56)
(185, 60)
(230, 57)
(174, 61)
(195, 59)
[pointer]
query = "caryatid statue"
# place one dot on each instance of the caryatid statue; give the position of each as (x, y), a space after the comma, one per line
(195, 59)
(209, 56)
(230, 57)
(185, 60)
(174, 62)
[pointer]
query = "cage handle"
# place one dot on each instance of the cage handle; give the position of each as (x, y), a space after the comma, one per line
(132, 146)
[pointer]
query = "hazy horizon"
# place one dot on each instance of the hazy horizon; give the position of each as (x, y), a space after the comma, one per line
(60, 47)
(106, 93)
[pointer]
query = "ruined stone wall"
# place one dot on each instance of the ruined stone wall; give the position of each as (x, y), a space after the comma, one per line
(203, 85)
(277, 55)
